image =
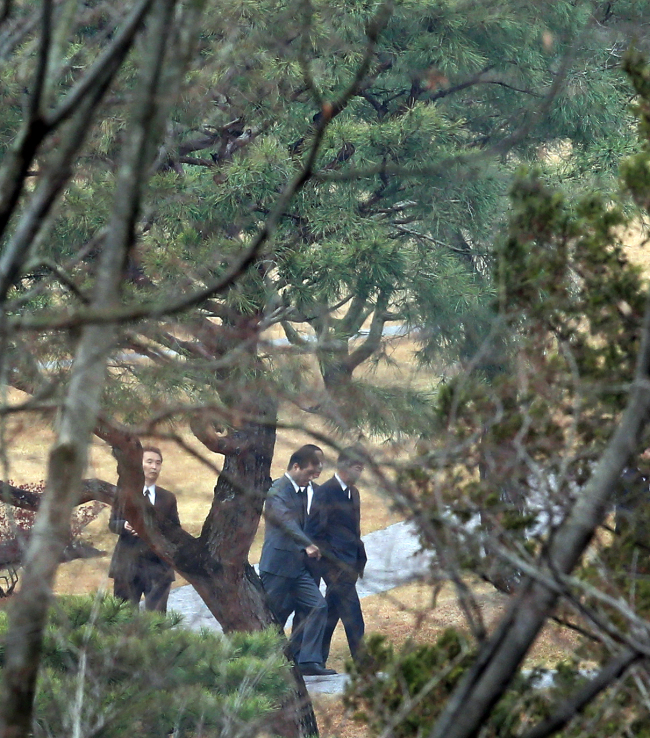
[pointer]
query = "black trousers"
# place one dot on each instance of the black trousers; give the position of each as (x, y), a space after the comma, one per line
(342, 604)
(154, 589)
(286, 594)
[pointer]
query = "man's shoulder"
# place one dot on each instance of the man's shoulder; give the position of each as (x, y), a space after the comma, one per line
(165, 493)
(331, 486)
(280, 485)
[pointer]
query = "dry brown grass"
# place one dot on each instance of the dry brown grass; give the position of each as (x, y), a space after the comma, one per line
(404, 613)
(333, 720)
(27, 443)
(407, 613)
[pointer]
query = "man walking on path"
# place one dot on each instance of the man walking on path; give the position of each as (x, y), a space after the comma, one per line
(335, 525)
(313, 564)
(135, 569)
(283, 564)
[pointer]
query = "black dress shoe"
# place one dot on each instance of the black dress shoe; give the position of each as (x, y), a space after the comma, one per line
(313, 668)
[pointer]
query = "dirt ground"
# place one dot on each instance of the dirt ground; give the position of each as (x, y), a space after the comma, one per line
(406, 613)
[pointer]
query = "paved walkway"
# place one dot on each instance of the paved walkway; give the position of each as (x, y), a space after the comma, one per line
(394, 558)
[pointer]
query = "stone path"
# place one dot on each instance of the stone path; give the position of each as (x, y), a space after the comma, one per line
(394, 558)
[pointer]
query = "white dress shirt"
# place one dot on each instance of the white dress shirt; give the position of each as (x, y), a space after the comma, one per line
(344, 486)
(309, 488)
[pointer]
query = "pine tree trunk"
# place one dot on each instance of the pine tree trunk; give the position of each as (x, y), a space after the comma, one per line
(216, 563)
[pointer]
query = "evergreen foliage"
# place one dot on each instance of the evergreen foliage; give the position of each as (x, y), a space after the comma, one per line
(398, 221)
(394, 225)
(524, 428)
(109, 670)
(404, 691)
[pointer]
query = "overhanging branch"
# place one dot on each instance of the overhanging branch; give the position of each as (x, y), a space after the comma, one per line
(91, 489)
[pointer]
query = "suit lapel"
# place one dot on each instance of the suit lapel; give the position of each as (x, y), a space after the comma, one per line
(295, 500)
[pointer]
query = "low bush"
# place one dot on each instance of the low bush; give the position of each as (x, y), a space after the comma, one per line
(110, 671)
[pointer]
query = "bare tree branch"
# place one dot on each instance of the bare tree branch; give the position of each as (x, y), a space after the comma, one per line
(81, 101)
(68, 456)
(499, 659)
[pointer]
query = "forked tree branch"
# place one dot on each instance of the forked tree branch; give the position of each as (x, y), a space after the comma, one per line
(91, 490)
(18, 160)
(12, 551)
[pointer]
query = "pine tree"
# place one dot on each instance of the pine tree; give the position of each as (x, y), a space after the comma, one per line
(320, 167)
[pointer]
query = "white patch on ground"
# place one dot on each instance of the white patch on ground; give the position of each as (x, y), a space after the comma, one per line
(394, 558)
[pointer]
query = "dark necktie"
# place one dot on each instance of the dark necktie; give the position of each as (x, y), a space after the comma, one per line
(356, 505)
(302, 493)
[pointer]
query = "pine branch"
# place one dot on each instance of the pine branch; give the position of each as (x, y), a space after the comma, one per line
(197, 161)
(293, 336)
(63, 277)
(116, 315)
(206, 429)
(373, 342)
(352, 321)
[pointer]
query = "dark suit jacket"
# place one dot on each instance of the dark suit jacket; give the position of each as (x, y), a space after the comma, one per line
(132, 555)
(335, 524)
(285, 540)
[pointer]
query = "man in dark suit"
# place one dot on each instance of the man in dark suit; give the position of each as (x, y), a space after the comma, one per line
(283, 565)
(312, 564)
(335, 525)
(135, 569)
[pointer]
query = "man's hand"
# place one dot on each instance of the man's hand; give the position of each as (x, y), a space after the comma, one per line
(313, 552)
(129, 528)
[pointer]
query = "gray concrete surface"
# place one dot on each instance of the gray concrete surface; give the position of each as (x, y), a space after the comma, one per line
(394, 558)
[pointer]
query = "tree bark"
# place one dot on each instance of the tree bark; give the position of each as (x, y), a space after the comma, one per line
(78, 415)
(232, 523)
(216, 563)
(91, 489)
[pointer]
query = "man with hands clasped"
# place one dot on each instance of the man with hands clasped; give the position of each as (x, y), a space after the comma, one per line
(335, 526)
(135, 569)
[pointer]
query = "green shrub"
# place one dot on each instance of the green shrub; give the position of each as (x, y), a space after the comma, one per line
(109, 671)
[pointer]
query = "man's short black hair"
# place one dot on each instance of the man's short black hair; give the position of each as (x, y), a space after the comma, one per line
(153, 450)
(350, 456)
(314, 446)
(304, 456)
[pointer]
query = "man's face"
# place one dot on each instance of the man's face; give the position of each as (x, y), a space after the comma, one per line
(151, 464)
(354, 471)
(302, 477)
(319, 468)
